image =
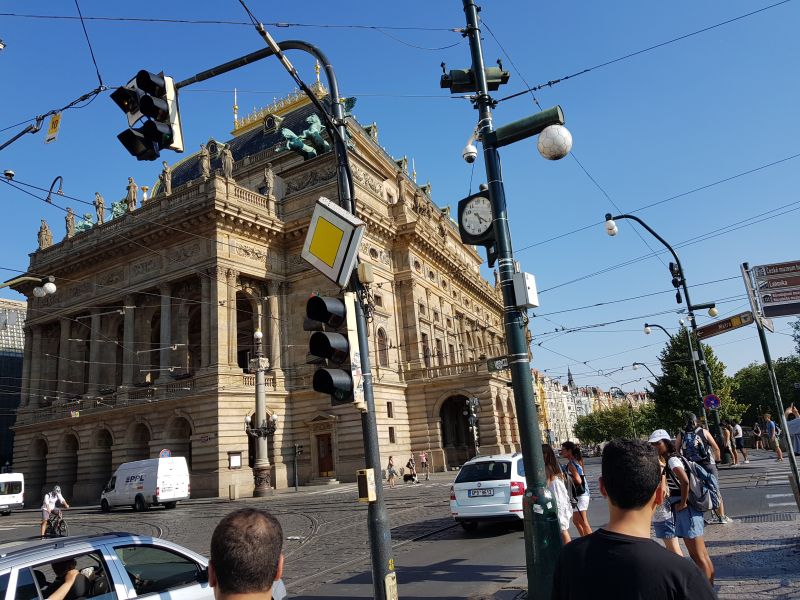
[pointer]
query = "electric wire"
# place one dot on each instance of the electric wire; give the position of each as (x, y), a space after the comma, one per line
(89, 43)
(607, 63)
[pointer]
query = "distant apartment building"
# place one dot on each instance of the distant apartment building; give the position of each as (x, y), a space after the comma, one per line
(12, 344)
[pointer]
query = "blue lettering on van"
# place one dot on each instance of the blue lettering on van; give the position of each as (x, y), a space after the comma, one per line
(132, 478)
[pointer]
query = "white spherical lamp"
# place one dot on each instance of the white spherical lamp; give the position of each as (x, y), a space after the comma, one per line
(554, 142)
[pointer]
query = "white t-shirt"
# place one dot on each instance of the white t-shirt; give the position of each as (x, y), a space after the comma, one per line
(793, 429)
(50, 500)
(737, 432)
(562, 502)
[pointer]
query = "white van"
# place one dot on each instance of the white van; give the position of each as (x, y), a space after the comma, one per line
(143, 483)
(12, 490)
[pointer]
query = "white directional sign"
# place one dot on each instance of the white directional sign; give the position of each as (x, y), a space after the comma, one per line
(779, 288)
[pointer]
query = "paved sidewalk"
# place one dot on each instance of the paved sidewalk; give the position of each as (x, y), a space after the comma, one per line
(754, 557)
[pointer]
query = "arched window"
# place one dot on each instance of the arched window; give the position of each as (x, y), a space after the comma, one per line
(383, 349)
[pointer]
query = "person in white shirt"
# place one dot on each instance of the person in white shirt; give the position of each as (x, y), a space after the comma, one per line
(738, 440)
(49, 504)
(793, 426)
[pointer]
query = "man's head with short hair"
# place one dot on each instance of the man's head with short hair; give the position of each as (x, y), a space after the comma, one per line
(246, 553)
(630, 474)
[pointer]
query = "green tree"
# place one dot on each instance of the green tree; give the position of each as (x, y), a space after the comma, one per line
(621, 421)
(795, 325)
(752, 389)
(675, 392)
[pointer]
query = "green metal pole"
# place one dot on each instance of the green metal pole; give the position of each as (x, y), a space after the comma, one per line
(542, 535)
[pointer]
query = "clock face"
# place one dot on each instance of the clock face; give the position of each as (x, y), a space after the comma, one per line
(477, 216)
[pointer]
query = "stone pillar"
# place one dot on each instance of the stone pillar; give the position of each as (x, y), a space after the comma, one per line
(35, 389)
(26, 368)
(181, 355)
(165, 337)
(129, 356)
(95, 354)
(218, 319)
(64, 347)
(205, 322)
(233, 344)
(274, 319)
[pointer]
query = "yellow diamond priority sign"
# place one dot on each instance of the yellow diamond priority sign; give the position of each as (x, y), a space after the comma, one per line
(332, 241)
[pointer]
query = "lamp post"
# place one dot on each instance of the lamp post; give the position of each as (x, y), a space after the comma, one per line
(679, 281)
(471, 412)
(46, 287)
(261, 467)
(636, 365)
(60, 190)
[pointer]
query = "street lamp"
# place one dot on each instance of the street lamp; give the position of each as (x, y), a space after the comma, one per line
(46, 285)
(59, 191)
(261, 466)
(471, 412)
(679, 282)
(636, 365)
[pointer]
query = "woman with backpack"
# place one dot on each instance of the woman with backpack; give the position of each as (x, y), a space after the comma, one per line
(689, 523)
(574, 471)
(555, 483)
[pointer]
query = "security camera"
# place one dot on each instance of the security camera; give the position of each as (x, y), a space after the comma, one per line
(470, 153)
(10, 174)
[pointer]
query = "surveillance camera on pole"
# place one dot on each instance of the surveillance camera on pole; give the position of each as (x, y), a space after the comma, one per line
(9, 174)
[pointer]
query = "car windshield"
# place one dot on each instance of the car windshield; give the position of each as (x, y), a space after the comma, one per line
(487, 470)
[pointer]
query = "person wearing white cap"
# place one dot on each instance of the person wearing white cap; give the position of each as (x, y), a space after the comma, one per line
(663, 519)
(689, 523)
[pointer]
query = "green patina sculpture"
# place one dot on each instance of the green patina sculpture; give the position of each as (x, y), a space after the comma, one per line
(84, 225)
(119, 208)
(310, 143)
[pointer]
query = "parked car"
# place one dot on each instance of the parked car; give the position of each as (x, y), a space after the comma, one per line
(113, 566)
(144, 483)
(12, 490)
(488, 488)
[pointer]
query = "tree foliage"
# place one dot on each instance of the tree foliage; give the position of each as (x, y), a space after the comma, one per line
(751, 387)
(795, 325)
(614, 423)
(675, 391)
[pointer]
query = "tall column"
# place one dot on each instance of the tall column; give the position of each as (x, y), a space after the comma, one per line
(129, 362)
(165, 337)
(25, 384)
(218, 318)
(274, 318)
(35, 390)
(63, 356)
(95, 354)
(233, 343)
(205, 321)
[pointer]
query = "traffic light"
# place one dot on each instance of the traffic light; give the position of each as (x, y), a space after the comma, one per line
(151, 97)
(333, 348)
(463, 80)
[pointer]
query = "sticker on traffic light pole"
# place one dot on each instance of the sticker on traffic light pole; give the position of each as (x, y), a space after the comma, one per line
(332, 241)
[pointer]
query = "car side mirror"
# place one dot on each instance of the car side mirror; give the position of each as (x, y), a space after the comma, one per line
(202, 575)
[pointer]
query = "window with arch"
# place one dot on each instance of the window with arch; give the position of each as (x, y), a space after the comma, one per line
(383, 348)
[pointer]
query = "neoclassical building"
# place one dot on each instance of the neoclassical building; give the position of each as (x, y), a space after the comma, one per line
(146, 344)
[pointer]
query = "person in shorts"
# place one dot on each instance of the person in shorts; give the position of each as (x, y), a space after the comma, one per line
(771, 431)
(689, 524)
(738, 440)
(49, 503)
(423, 463)
(663, 519)
(572, 452)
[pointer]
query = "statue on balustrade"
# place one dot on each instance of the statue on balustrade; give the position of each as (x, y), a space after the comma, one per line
(84, 224)
(166, 179)
(227, 161)
(269, 180)
(45, 236)
(133, 192)
(69, 221)
(100, 208)
(205, 162)
(118, 209)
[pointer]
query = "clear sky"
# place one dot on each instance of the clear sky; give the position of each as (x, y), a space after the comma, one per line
(666, 125)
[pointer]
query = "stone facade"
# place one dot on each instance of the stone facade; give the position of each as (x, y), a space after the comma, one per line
(145, 345)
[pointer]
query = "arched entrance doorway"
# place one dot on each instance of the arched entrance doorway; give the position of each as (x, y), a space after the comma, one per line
(457, 440)
(37, 474)
(179, 439)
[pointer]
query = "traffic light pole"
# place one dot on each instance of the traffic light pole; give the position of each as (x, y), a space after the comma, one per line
(542, 533)
(383, 581)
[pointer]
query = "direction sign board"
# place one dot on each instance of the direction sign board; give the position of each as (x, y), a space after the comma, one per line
(779, 288)
(711, 402)
(497, 364)
(717, 327)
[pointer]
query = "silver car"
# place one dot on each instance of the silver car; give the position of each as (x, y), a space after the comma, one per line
(112, 566)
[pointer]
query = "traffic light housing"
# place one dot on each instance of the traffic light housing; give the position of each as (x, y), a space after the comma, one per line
(153, 98)
(463, 80)
(333, 349)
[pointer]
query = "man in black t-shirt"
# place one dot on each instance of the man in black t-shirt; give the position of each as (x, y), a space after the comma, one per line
(620, 561)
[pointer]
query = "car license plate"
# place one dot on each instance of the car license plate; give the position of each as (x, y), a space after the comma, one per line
(476, 493)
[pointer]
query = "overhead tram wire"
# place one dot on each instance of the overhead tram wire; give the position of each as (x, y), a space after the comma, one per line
(89, 43)
(607, 63)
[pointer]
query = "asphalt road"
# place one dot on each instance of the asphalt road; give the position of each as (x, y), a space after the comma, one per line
(327, 547)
